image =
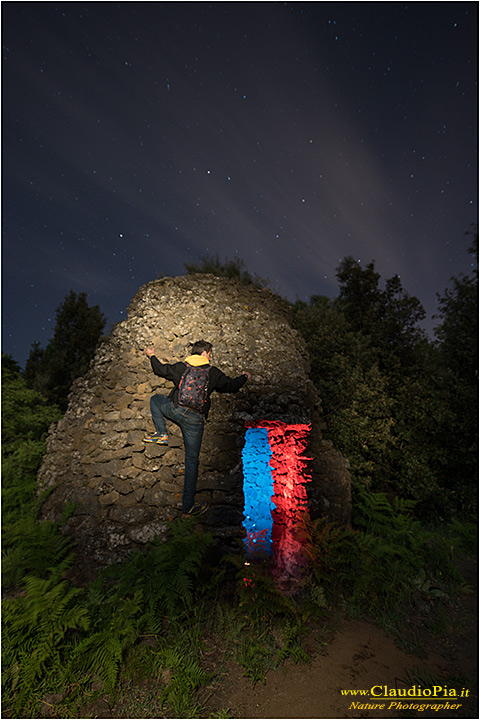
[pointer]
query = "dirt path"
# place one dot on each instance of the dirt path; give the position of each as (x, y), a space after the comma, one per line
(360, 656)
(356, 655)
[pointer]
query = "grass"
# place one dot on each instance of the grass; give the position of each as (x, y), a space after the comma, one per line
(140, 636)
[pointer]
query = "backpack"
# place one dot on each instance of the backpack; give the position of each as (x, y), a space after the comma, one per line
(192, 388)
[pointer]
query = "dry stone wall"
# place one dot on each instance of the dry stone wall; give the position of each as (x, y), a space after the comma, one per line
(125, 492)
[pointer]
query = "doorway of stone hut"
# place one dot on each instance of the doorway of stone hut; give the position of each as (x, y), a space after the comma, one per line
(275, 473)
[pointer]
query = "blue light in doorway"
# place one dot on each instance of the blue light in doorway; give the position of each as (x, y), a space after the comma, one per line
(258, 491)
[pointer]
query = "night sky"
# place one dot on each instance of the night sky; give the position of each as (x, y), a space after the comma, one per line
(140, 136)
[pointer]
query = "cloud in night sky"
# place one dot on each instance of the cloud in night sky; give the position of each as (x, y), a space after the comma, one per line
(140, 136)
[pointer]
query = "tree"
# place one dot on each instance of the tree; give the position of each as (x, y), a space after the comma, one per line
(353, 390)
(78, 331)
(28, 547)
(359, 297)
(388, 317)
(26, 416)
(25, 413)
(381, 389)
(36, 370)
(458, 332)
(457, 337)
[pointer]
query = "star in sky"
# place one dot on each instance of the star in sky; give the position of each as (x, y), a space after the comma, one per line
(141, 136)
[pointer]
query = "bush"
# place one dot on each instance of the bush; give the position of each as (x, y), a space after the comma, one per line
(380, 563)
(28, 547)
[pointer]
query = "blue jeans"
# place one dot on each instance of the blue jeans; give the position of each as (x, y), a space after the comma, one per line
(191, 424)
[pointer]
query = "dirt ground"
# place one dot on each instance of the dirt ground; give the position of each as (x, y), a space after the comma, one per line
(360, 656)
(347, 655)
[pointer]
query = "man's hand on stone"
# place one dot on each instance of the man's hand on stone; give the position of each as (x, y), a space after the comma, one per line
(244, 372)
(150, 351)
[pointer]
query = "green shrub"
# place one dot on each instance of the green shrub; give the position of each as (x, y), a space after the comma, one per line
(38, 635)
(56, 635)
(168, 576)
(383, 560)
(28, 547)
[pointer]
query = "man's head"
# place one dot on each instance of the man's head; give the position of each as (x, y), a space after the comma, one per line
(200, 347)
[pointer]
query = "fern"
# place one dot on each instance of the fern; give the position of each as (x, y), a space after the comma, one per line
(31, 548)
(185, 678)
(377, 564)
(102, 652)
(292, 647)
(333, 552)
(166, 574)
(259, 598)
(257, 657)
(38, 632)
(229, 623)
(317, 596)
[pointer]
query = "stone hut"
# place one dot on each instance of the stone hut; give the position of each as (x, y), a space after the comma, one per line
(124, 491)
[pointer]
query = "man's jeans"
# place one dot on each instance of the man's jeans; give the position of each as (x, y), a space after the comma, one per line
(191, 423)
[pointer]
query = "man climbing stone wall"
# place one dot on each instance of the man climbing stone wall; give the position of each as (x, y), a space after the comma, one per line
(126, 491)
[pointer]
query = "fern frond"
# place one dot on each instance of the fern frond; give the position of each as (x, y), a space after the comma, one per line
(39, 635)
(100, 654)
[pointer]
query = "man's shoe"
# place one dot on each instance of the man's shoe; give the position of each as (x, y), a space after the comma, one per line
(196, 510)
(156, 438)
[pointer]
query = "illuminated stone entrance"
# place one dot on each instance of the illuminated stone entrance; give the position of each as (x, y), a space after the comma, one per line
(275, 475)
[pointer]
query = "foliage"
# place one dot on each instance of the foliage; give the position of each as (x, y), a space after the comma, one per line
(83, 638)
(384, 560)
(78, 330)
(185, 675)
(80, 634)
(353, 390)
(234, 269)
(374, 418)
(258, 595)
(332, 552)
(25, 413)
(156, 615)
(256, 657)
(389, 317)
(269, 625)
(101, 652)
(293, 631)
(28, 547)
(133, 599)
(36, 635)
(463, 535)
(396, 404)
(168, 575)
(457, 346)
(31, 547)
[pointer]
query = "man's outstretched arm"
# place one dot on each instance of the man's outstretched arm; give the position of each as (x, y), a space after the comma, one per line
(163, 370)
(224, 384)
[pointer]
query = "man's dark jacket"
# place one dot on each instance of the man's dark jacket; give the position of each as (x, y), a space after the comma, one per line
(217, 380)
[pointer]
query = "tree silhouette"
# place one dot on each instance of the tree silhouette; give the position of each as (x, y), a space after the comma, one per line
(78, 330)
(458, 349)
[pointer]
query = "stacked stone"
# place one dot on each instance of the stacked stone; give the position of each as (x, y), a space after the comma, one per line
(125, 491)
